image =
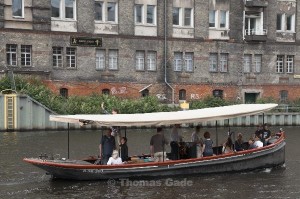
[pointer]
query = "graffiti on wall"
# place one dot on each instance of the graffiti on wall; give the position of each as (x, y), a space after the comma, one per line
(161, 96)
(118, 91)
(195, 96)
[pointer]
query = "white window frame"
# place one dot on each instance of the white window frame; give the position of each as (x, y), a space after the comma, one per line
(213, 62)
(26, 55)
(136, 12)
(11, 54)
(113, 59)
(144, 14)
(151, 60)
(281, 22)
(189, 61)
(57, 58)
(247, 63)
(22, 9)
(279, 63)
(223, 62)
(217, 18)
(212, 13)
(97, 12)
(290, 64)
(140, 60)
(284, 23)
(62, 11)
(100, 59)
(257, 63)
(105, 12)
(178, 62)
(181, 17)
(71, 57)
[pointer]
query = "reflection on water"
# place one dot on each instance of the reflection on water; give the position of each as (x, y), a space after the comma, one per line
(21, 180)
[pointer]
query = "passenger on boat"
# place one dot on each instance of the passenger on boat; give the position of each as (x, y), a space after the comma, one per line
(115, 129)
(124, 149)
(114, 159)
(259, 130)
(157, 146)
(257, 142)
(106, 147)
(207, 149)
(266, 134)
(228, 146)
(239, 143)
(197, 140)
(174, 142)
(251, 143)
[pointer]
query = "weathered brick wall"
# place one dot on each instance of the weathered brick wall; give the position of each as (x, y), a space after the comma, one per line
(41, 15)
(85, 16)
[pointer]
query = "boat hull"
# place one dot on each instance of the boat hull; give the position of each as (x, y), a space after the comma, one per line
(269, 156)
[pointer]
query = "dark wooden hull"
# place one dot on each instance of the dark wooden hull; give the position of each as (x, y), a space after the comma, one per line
(269, 156)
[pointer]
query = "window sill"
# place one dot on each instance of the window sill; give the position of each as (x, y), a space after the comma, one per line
(145, 25)
(18, 17)
(63, 19)
(183, 27)
(106, 22)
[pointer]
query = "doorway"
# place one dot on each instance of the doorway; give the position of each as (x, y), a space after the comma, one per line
(251, 98)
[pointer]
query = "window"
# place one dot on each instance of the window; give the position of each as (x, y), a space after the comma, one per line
(140, 60)
(285, 22)
(213, 62)
(177, 61)
(18, 8)
(98, 10)
(150, 14)
(279, 64)
(188, 59)
(247, 63)
(25, 55)
(223, 62)
(63, 92)
(63, 9)
(138, 13)
(218, 18)
(57, 61)
(145, 93)
(151, 60)
(257, 63)
(100, 59)
(183, 16)
(111, 12)
(212, 18)
(105, 91)
(11, 54)
(182, 94)
(218, 93)
(71, 57)
(113, 59)
(283, 96)
(289, 64)
(176, 16)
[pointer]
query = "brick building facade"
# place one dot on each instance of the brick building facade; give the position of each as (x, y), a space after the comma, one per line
(172, 49)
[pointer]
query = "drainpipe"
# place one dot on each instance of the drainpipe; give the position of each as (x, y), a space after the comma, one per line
(165, 51)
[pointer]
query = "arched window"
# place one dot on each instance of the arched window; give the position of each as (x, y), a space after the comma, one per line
(145, 93)
(283, 96)
(105, 91)
(182, 94)
(218, 93)
(63, 92)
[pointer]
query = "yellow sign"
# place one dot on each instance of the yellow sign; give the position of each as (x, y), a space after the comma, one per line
(184, 105)
(296, 76)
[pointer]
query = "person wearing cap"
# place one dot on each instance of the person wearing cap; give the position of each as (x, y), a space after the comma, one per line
(114, 159)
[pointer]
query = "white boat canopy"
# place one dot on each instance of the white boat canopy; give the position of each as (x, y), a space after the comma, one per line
(167, 118)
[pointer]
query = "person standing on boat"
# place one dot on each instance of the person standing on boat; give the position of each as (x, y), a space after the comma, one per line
(124, 149)
(239, 143)
(207, 149)
(266, 134)
(197, 140)
(157, 146)
(115, 129)
(174, 142)
(106, 147)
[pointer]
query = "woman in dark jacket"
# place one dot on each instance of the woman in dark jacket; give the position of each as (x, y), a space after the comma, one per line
(124, 149)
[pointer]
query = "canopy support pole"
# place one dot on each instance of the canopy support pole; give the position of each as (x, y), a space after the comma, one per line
(263, 118)
(217, 137)
(68, 140)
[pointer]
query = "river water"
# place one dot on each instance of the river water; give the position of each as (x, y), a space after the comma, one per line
(21, 180)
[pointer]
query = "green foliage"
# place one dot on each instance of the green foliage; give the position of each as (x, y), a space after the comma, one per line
(208, 101)
(266, 100)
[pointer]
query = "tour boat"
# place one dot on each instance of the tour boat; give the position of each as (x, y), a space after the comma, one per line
(268, 156)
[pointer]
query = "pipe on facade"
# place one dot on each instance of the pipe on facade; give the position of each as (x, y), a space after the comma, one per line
(165, 51)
